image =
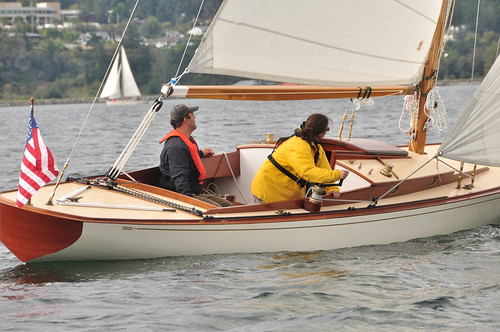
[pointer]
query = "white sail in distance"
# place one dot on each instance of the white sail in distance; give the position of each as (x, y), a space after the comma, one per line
(120, 82)
(320, 42)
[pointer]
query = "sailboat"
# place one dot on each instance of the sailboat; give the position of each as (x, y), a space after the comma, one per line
(329, 49)
(120, 87)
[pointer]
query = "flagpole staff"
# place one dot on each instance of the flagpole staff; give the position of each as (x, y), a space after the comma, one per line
(51, 198)
(32, 100)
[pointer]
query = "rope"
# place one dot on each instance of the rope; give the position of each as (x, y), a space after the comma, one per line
(137, 193)
(356, 105)
(436, 111)
(498, 47)
(475, 42)
(117, 167)
(189, 39)
(234, 177)
(410, 106)
(375, 200)
(154, 199)
(92, 105)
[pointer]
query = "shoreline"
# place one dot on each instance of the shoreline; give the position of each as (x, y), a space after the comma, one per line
(59, 101)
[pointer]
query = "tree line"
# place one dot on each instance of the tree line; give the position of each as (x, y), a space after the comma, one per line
(48, 68)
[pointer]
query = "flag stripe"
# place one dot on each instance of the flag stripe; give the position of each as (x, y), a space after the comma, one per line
(34, 173)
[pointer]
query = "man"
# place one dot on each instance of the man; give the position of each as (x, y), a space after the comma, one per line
(180, 161)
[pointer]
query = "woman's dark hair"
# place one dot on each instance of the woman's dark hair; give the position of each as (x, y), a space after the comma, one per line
(313, 127)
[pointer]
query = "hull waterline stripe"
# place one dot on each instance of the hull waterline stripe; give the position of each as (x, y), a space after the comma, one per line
(306, 227)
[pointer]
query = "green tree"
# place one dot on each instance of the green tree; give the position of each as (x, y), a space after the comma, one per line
(150, 27)
(120, 13)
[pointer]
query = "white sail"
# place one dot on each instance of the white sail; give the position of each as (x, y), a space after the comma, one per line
(120, 82)
(129, 86)
(475, 136)
(112, 88)
(364, 42)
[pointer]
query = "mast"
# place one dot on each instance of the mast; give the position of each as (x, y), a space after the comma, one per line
(429, 81)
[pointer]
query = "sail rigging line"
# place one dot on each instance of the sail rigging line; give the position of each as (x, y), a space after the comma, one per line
(187, 43)
(375, 200)
(120, 162)
(356, 105)
(475, 43)
(234, 178)
(453, 168)
(51, 198)
(449, 19)
(410, 106)
(122, 188)
(498, 47)
(435, 111)
(434, 107)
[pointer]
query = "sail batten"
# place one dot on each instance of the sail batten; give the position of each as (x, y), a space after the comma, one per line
(386, 42)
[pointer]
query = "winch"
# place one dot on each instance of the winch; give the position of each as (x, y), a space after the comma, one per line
(314, 199)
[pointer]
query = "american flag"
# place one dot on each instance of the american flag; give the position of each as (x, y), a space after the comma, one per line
(38, 167)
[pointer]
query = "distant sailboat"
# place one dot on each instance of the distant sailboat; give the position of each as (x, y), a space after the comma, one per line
(120, 87)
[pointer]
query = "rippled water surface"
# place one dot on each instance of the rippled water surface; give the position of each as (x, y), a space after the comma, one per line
(443, 283)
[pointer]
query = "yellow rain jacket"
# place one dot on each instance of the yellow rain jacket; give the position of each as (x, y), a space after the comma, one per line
(297, 156)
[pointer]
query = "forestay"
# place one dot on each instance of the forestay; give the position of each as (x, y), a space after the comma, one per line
(320, 42)
(475, 137)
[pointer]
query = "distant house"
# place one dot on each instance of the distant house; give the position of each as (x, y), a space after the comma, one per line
(70, 14)
(43, 13)
(34, 37)
(103, 35)
(171, 39)
(198, 31)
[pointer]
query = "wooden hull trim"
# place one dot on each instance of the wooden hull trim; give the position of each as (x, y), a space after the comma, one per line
(29, 234)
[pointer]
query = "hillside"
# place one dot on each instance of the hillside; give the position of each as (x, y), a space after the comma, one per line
(70, 62)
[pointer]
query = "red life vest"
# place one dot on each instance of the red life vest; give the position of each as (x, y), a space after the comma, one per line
(193, 150)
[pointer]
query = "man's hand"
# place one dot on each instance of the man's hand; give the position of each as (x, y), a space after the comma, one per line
(333, 193)
(344, 173)
(207, 153)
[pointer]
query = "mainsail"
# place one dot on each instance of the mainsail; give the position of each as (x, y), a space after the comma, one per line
(374, 43)
(475, 135)
(120, 82)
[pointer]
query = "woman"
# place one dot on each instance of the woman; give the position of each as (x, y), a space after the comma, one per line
(296, 161)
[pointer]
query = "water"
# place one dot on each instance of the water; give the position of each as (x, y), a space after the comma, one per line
(443, 283)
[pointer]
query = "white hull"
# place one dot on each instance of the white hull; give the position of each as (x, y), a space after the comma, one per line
(122, 102)
(120, 241)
